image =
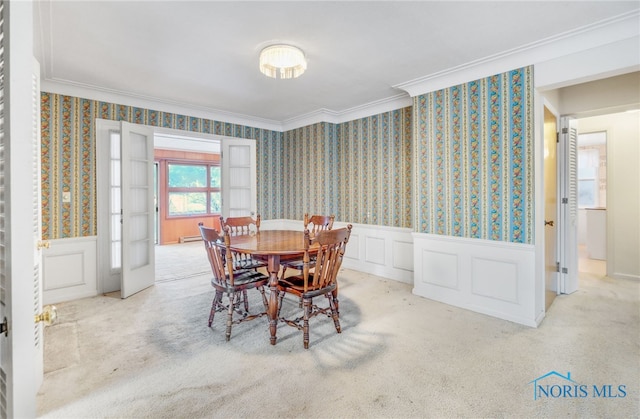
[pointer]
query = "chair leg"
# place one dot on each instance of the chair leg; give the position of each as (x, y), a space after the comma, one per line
(246, 301)
(335, 300)
(333, 303)
(280, 298)
(214, 306)
(305, 322)
(232, 303)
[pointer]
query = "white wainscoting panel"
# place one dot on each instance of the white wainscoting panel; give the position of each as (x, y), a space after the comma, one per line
(443, 268)
(69, 269)
(374, 250)
(377, 250)
(493, 278)
(402, 255)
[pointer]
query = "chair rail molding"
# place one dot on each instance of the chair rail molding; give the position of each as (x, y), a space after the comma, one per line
(485, 276)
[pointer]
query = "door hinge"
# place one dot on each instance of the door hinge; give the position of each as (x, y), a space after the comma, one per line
(557, 266)
(565, 200)
(565, 130)
(565, 271)
(557, 137)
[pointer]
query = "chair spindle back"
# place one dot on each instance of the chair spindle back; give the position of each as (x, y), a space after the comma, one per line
(317, 223)
(332, 245)
(237, 226)
(219, 254)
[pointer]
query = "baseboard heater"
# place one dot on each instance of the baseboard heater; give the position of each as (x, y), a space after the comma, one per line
(185, 239)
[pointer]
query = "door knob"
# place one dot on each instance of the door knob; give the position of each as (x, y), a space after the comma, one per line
(43, 244)
(548, 223)
(49, 315)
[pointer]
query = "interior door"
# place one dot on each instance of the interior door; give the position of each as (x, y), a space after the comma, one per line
(36, 206)
(568, 155)
(551, 258)
(239, 191)
(138, 210)
(18, 380)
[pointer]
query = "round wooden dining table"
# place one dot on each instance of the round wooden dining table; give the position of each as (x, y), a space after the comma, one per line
(272, 245)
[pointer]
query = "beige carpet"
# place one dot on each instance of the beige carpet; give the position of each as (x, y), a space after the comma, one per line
(399, 356)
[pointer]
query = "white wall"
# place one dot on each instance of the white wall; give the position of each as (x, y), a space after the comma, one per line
(608, 95)
(623, 190)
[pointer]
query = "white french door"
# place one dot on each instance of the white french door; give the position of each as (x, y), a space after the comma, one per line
(568, 156)
(138, 209)
(239, 191)
(126, 210)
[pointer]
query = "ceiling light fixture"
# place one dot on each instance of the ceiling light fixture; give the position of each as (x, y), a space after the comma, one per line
(282, 61)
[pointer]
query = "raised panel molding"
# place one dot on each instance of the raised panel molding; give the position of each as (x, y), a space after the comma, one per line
(402, 252)
(496, 279)
(493, 278)
(353, 247)
(69, 269)
(440, 269)
(374, 250)
(73, 266)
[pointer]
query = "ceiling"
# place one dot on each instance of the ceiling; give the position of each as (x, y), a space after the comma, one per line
(204, 54)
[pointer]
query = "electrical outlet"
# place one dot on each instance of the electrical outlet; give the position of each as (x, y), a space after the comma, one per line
(66, 197)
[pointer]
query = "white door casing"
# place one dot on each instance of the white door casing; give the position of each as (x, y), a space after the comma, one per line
(568, 249)
(138, 209)
(239, 190)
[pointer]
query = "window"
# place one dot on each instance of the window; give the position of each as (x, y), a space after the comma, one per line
(587, 177)
(591, 169)
(193, 189)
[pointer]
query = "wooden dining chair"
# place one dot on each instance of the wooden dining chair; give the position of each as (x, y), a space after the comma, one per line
(240, 225)
(235, 226)
(314, 224)
(230, 282)
(322, 282)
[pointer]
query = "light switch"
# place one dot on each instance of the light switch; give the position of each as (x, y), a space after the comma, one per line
(66, 197)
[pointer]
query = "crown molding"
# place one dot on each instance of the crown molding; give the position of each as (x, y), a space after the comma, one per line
(68, 88)
(64, 87)
(587, 37)
(399, 101)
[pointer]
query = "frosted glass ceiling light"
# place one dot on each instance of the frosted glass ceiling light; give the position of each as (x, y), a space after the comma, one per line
(282, 61)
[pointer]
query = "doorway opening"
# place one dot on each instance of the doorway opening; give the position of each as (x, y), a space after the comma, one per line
(608, 195)
(592, 202)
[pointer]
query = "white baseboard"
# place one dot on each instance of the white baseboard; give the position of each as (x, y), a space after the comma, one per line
(493, 278)
(618, 275)
(69, 269)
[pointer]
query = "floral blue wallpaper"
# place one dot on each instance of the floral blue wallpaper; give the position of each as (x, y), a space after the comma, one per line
(459, 162)
(474, 154)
